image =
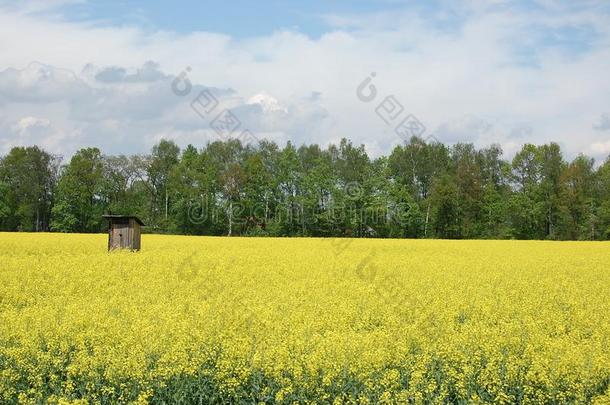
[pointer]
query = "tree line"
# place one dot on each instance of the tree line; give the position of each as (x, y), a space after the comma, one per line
(420, 190)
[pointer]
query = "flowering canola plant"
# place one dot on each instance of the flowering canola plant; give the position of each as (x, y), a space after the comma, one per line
(266, 320)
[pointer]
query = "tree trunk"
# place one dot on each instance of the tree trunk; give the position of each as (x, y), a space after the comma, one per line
(592, 219)
(302, 218)
(166, 203)
(427, 220)
(230, 217)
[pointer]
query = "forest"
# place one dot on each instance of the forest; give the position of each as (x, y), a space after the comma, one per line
(420, 190)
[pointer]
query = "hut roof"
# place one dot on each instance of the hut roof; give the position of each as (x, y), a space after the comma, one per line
(111, 217)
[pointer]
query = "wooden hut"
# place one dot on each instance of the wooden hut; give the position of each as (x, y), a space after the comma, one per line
(124, 232)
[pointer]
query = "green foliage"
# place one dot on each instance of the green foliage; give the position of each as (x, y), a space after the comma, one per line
(5, 209)
(80, 201)
(27, 181)
(420, 190)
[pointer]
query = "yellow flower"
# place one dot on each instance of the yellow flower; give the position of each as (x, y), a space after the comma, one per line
(295, 320)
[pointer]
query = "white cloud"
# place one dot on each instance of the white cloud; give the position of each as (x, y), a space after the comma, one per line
(36, 6)
(38, 83)
(603, 124)
(127, 110)
(476, 72)
(601, 148)
(27, 123)
(267, 103)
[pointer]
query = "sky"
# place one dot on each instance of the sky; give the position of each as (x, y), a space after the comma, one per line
(121, 75)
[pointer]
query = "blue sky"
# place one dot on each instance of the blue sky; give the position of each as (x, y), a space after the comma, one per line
(77, 73)
(238, 18)
(242, 18)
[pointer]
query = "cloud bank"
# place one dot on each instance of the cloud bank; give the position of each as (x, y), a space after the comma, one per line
(483, 72)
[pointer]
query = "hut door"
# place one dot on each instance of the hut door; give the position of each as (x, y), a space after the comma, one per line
(120, 237)
(124, 237)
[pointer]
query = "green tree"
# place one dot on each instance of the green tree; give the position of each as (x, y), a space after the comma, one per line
(162, 161)
(525, 205)
(468, 178)
(29, 176)
(551, 168)
(193, 182)
(578, 218)
(119, 175)
(5, 209)
(80, 203)
(421, 189)
(446, 208)
(603, 200)
(352, 193)
(496, 192)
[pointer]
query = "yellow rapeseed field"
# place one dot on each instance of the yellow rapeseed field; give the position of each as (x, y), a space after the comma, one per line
(250, 320)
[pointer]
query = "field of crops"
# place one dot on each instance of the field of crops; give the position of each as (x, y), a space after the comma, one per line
(200, 320)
